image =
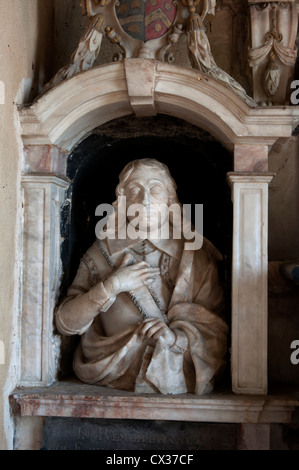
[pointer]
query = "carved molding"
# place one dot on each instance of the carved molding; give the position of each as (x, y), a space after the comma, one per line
(64, 399)
(65, 115)
(141, 93)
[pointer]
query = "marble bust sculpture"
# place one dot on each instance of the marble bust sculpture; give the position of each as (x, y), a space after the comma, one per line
(148, 309)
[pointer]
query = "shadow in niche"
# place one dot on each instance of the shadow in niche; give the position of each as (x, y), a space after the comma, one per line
(197, 163)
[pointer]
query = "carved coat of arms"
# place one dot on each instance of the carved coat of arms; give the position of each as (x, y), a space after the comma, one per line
(146, 19)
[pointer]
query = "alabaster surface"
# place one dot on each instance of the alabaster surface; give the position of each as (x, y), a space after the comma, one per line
(42, 196)
(249, 282)
(149, 310)
(273, 51)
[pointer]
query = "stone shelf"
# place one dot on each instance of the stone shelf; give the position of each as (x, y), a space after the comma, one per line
(74, 399)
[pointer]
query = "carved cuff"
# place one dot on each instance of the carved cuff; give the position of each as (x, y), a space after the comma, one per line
(65, 330)
(99, 295)
(181, 342)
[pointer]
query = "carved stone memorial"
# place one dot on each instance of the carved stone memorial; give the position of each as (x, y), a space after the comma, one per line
(147, 300)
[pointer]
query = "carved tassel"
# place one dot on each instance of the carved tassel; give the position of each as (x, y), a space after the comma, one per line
(198, 44)
(272, 77)
(85, 55)
(194, 21)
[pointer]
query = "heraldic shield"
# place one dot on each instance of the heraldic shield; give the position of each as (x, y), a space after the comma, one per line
(146, 19)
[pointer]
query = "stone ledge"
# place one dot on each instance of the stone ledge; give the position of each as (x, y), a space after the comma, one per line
(73, 399)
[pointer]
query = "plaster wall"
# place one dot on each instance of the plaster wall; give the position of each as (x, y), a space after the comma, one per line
(25, 48)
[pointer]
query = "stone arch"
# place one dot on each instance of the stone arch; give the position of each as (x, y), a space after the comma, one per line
(67, 113)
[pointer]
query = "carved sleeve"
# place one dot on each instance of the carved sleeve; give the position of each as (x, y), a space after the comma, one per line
(208, 286)
(86, 298)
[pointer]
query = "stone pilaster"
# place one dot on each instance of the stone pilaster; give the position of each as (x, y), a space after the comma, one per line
(42, 199)
(249, 282)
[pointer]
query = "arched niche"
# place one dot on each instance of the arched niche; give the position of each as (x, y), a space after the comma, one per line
(197, 162)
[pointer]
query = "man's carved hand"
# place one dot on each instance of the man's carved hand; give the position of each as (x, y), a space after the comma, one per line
(153, 329)
(127, 278)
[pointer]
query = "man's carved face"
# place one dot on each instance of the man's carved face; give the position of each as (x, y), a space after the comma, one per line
(146, 187)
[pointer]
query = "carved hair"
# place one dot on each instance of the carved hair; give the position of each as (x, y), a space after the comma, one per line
(154, 165)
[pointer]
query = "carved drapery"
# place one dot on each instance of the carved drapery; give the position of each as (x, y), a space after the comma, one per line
(272, 53)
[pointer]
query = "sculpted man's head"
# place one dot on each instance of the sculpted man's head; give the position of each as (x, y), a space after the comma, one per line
(148, 183)
(145, 167)
(147, 207)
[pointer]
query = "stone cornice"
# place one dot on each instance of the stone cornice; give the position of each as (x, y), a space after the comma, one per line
(69, 112)
(69, 400)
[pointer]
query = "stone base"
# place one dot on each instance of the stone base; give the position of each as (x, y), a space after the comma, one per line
(57, 418)
(75, 399)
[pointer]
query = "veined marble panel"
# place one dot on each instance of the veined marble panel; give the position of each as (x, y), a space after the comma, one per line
(249, 282)
(42, 199)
